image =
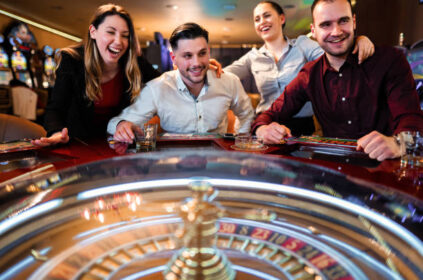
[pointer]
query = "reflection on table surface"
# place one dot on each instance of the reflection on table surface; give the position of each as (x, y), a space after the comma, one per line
(344, 160)
(26, 159)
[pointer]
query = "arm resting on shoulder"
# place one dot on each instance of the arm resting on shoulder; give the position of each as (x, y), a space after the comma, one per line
(241, 67)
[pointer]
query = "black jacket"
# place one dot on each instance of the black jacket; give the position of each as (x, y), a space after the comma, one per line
(68, 105)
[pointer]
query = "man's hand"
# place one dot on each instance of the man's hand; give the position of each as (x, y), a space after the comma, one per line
(365, 48)
(379, 146)
(56, 138)
(216, 66)
(273, 133)
(125, 132)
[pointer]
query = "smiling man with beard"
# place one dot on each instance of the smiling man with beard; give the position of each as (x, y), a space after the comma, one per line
(370, 102)
(188, 100)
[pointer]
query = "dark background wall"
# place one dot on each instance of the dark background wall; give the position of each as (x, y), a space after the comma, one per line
(384, 20)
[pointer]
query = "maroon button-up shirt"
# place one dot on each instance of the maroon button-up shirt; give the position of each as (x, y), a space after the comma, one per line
(377, 95)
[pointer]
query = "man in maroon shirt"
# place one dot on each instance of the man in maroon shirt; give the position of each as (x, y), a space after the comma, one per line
(371, 101)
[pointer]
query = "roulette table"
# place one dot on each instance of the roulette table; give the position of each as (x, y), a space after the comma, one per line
(208, 214)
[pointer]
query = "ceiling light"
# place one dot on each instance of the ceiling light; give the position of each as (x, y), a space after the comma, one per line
(175, 7)
(229, 7)
(42, 26)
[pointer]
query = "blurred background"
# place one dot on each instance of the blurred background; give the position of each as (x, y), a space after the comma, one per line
(32, 32)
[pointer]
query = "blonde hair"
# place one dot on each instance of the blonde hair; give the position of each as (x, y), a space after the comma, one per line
(93, 61)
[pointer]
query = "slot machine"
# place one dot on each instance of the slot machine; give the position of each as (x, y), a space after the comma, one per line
(49, 67)
(20, 68)
(21, 49)
(5, 72)
(6, 76)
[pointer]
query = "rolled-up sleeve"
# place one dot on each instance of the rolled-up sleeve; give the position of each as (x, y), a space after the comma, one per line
(139, 112)
(241, 67)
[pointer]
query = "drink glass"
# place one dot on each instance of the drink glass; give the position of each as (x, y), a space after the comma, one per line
(411, 145)
(145, 138)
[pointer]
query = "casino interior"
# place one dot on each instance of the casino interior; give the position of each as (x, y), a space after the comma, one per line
(197, 206)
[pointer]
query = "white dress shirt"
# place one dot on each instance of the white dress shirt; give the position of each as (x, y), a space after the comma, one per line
(169, 98)
(272, 77)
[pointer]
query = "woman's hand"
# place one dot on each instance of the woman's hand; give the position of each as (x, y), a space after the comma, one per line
(56, 138)
(216, 66)
(365, 48)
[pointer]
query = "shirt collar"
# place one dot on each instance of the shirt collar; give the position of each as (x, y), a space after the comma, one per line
(181, 85)
(326, 65)
(352, 59)
(290, 42)
(179, 82)
(264, 51)
(209, 77)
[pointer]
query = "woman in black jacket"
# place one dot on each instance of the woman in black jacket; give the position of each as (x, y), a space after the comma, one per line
(97, 79)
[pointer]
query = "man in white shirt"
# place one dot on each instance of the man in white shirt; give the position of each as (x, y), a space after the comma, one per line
(188, 100)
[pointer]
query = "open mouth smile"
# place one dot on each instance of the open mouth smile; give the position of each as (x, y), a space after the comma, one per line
(113, 51)
(336, 40)
(265, 29)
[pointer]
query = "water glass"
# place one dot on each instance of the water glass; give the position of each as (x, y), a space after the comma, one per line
(145, 138)
(411, 145)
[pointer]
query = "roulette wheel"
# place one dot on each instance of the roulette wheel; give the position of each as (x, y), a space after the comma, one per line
(208, 215)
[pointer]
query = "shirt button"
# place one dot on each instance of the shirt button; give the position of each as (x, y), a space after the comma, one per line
(349, 122)
(340, 75)
(199, 117)
(343, 98)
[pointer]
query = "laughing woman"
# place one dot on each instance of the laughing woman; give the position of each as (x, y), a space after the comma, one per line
(97, 79)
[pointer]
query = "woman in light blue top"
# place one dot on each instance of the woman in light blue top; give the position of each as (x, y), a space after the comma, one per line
(280, 59)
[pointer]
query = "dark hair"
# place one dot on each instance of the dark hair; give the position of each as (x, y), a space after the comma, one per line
(276, 7)
(315, 2)
(187, 30)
